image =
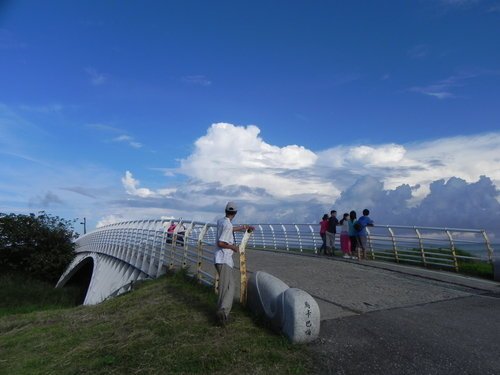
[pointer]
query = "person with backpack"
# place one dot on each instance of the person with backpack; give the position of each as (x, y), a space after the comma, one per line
(331, 231)
(364, 221)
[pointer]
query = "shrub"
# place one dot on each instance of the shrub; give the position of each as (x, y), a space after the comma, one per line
(39, 245)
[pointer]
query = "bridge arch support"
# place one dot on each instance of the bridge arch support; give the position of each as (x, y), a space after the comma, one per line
(109, 276)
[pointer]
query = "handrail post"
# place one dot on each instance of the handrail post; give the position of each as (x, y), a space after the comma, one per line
(174, 244)
(453, 252)
(489, 248)
(262, 236)
(274, 237)
(394, 247)
(421, 244)
(298, 236)
(161, 256)
(370, 244)
(203, 232)
(243, 267)
(187, 233)
(286, 237)
(313, 237)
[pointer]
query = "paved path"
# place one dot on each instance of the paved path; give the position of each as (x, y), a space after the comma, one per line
(381, 318)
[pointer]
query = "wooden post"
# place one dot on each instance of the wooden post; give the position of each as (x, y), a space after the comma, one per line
(243, 268)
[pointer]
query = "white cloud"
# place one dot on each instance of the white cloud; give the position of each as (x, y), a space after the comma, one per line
(379, 156)
(231, 159)
(447, 88)
(419, 51)
(198, 80)
(109, 219)
(96, 78)
(129, 140)
(131, 186)
(467, 157)
(230, 155)
(424, 183)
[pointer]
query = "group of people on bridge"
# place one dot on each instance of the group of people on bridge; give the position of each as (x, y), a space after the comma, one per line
(353, 234)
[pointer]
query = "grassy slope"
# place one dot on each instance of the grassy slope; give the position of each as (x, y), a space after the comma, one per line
(166, 326)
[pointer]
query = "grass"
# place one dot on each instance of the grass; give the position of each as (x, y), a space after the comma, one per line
(166, 326)
(20, 294)
(466, 266)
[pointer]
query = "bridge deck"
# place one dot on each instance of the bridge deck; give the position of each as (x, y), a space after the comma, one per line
(382, 318)
(345, 288)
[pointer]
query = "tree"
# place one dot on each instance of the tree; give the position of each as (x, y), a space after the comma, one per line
(41, 246)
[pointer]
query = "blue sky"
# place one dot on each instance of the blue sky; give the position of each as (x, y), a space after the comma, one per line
(115, 110)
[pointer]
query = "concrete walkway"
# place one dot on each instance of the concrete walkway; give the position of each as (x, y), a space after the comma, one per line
(382, 318)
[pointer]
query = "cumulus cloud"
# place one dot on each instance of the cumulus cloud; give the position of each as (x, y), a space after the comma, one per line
(444, 182)
(230, 154)
(109, 219)
(452, 203)
(131, 186)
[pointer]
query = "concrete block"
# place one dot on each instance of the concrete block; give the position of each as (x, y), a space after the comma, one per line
(300, 316)
(263, 292)
(290, 310)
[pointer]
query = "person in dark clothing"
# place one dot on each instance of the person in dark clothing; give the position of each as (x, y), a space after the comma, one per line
(323, 225)
(353, 236)
(330, 233)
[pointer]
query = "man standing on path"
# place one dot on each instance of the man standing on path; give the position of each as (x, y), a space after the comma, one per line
(223, 260)
(364, 221)
(330, 233)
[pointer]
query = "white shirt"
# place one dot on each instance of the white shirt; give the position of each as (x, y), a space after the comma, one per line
(224, 234)
(345, 226)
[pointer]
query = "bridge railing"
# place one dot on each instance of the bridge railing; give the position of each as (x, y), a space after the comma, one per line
(428, 246)
(150, 248)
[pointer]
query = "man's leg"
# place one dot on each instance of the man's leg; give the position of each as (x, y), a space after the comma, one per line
(226, 291)
(330, 238)
(333, 243)
(354, 246)
(363, 243)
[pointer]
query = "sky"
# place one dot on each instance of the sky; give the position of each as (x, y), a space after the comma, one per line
(126, 110)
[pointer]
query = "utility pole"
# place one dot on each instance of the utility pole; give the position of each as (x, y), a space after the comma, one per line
(84, 222)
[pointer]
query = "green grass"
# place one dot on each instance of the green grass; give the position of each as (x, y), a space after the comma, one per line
(466, 266)
(21, 294)
(166, 326)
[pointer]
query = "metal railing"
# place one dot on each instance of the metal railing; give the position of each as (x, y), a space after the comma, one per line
(426, 246)
(147, 245)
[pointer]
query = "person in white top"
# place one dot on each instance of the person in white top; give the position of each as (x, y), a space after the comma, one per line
(223, 260)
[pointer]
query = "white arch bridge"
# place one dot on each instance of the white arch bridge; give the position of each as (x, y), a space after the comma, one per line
(113, 257)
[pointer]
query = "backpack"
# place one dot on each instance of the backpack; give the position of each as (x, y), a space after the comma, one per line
(358, 227)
